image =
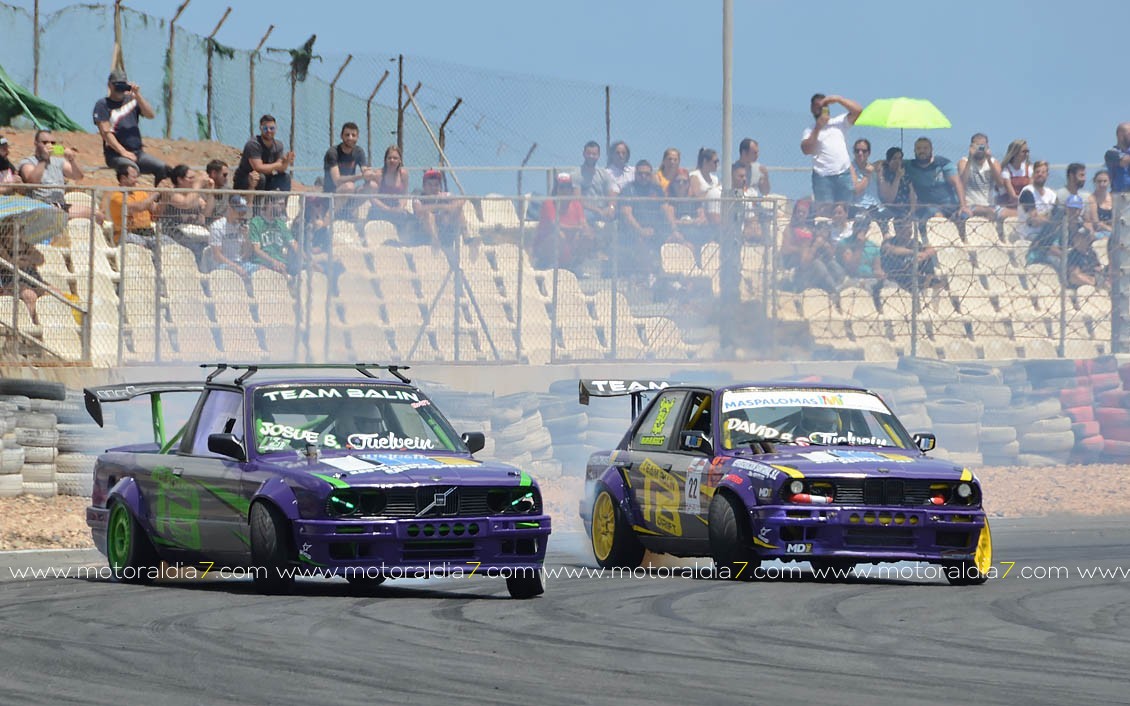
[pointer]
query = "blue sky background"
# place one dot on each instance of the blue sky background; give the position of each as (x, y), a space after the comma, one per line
(1037, 70)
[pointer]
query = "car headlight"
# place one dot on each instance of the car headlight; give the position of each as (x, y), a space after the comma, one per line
(796, 487)
(964, 491)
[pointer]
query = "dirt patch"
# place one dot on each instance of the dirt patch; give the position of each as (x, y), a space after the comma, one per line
(60, 522)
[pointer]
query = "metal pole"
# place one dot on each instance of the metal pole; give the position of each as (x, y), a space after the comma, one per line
(400, 103)
(333, 89)
(607, 119)
(443, 157)
(1065, 242)
(88, 320)
(251, 93)
(443, 125)
(169, 69)
(211, 51)
(369, 117)
(522, 171)
(35, 49)
(727, 91)
(293, 89)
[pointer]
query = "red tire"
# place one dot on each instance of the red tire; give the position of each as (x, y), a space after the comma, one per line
(1112, 417)
(1105, 381)
(1084, 429)
(1124, 373)
(1080, 414)
(1116, 449)
(1117, 433)
(1084, 367)
(1112, 398)
(1092, 444)
(1076, 397)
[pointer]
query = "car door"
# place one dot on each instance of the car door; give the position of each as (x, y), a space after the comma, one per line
(691, 464)
(210, 483)
(655, 488)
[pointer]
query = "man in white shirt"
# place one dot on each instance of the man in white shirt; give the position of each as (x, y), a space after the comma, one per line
(826, 143)
(1036, 209)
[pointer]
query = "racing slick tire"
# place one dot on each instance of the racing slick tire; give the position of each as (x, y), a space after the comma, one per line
(731, 540)
(129, 552)
(973, 572)
(523, 587)
(270, 549)
(614, 544)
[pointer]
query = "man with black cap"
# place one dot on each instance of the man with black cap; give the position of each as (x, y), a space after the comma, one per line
(117, 117)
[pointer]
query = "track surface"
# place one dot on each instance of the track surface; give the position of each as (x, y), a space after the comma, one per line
(588, 640)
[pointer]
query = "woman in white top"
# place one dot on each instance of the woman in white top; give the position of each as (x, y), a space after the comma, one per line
(705, 185)
(1016, 173)
(981, 175)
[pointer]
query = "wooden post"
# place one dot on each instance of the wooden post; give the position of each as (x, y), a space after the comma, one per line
(35, 49)
(400, 103)
(169, 70)
(251, 94)
(435, 141)
(333, 89)
(443, 125)
(369, 117)
(211, 51)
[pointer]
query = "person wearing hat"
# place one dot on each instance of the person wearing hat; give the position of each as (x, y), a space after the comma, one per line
(439, 216)
(8, 173)
(118, 119)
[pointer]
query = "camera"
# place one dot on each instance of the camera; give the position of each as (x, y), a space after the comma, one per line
(122, 86)
(982, 148)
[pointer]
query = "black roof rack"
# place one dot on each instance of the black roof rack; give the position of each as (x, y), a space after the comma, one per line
(252, 368)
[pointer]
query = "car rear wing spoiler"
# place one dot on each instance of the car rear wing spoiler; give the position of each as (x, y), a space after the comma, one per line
(587, 389)
(95, 397)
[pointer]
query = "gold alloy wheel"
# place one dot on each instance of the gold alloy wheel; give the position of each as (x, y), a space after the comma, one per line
(983, 557)
(603, 525)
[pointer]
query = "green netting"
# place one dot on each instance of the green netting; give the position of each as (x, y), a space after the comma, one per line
(15, 100)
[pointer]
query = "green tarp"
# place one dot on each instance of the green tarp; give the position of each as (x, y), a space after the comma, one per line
(16, 100)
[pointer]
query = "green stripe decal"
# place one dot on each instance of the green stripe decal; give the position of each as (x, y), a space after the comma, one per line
(233, 500)
(526, 480)
(335, 482)
(528, 525)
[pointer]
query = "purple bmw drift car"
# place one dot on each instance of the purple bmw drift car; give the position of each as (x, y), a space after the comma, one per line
(353, 477)
(751, 472)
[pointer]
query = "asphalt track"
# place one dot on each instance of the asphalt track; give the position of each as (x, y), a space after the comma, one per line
(1016, 640)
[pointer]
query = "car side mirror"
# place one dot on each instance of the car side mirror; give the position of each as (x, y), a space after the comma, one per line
(475, 440)
(697, 441)
(925, 442)
(227, 445)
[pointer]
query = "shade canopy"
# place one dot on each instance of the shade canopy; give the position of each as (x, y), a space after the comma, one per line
(912, 113)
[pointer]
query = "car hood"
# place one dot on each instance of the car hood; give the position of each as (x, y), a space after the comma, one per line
(855, 462)
(367, 469)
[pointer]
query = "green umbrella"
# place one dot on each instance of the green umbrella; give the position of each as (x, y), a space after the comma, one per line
(913, 113)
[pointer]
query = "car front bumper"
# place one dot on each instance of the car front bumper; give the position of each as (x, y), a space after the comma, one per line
(445, 545)
(866, 534)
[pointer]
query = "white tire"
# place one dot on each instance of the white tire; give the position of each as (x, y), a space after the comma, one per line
(11, 460)
(81, 437)
(1052, 425)
(37, 437)
(39, 472)
(23, 404)
(80, 484)
(959, 438)
(11, 485)
(995, 436)
(75, 463)
(35, 420)
(949, 410)
(43, 490)
(39, 454)
(1045, 443)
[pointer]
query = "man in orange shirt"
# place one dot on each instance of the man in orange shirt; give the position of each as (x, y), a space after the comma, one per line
(140, 209)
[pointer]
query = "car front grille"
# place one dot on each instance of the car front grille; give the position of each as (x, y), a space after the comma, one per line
(885, 491)
(472, 501)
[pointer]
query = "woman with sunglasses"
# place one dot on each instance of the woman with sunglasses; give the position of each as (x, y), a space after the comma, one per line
(1016, 173)
(706, 186)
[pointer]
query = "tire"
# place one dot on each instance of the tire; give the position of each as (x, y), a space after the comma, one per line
(39, 472)
(11, 485)
(1047, 443)
(953, 411)
(1026, 411)
(270, 549)
(614, 543)
(1051, 425)
(987, 394)
(1083, 430)
(1051, 368)
(76, 484)
(976, 571)
(1103, 382)
(1112, 398)
(1056, 384)
(33, 388)
(37, 437)
(1080, 414)
(961, 438)
(994, 436)
(1119, 450)
(11, 460)
(128, 550)
(969, 375)
(876, 376)
(929, 371)
(41, 490)
(1030, 460)
(22, 402)
(39, 454)
(36, 420)
(731, 539)
(71, 413)
(505, 416)
(75, 463)
(524, 587)
(1112, 417)
(1104, 364)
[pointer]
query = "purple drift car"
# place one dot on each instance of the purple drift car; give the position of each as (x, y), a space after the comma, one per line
(752, 472)
(353, 477)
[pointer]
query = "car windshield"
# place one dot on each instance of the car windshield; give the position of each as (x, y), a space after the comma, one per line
(356, 416)
(809, 417)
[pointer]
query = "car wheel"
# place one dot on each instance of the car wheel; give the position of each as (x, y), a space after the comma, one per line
(731, 542)
(975, 572)
(270, 549)
(523, 586)
(614, 544)
(131, 555)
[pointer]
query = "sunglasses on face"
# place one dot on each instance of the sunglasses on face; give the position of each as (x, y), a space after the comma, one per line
(268, 128)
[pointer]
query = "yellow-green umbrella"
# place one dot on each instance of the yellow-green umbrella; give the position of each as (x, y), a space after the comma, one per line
(913, 113)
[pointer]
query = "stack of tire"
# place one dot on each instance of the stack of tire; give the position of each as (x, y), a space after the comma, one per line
(567, 422)
(988, 401)
(1112, 412)
(1043, 430)
(80, 442)
(36, 402)
(464, 410)
(522, 439)
(11, 453)
(901, 390)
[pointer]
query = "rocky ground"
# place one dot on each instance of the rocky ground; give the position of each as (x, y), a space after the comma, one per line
(51, 523)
